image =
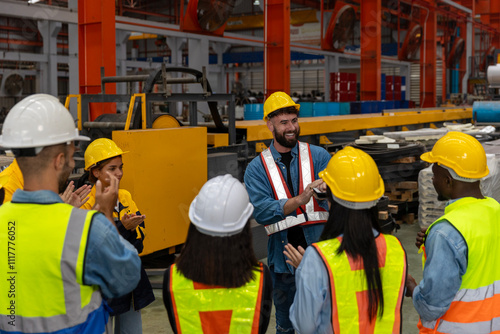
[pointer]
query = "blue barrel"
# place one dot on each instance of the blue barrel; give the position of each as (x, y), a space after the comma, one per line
(306, 109)
(320, 109)
(389, 104)
(368, 107)
(253, 111)
(404, 104)
(355, 107)
(397, 104)
(344, 108)
(333, 108)
(486, 111)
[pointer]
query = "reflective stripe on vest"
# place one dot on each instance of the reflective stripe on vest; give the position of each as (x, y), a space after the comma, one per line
(46, 273)
(348, 287)
(199, 308)
(315, 213)
(476, 306)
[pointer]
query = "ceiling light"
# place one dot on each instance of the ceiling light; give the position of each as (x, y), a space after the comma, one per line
(256, 3)
(33, 1)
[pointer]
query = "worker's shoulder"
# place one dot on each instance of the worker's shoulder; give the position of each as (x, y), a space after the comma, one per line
(255, 163)
(319, 149)
(124, 193)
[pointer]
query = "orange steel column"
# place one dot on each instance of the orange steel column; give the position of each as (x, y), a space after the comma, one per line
(495, 22)
(371, 49)
(428, 51)
(96, 45)
(277, 48)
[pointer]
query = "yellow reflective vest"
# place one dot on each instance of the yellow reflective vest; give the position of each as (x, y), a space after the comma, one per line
(46, 246)
(11, 179)
(199, 308)
(348, 287)
(476, 306)
(128, 207)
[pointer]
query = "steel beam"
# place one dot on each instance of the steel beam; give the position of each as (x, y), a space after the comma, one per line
(97, 49)
(428, 51)
(48, 70)
(371, 49)
(495, 22)
(277, 46)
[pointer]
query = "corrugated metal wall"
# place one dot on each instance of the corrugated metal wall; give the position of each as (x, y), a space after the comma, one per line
(439, 80)
(415, 83)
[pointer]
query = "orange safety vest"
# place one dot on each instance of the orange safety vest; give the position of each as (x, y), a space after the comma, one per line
(200, 308)
(348, 286)
(476, 306)
(312, 212)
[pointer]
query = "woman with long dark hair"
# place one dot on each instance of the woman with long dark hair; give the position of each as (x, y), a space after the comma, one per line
(353, 279)
(216, 283)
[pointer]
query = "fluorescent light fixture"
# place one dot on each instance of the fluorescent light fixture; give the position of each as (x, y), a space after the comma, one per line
(33, 1)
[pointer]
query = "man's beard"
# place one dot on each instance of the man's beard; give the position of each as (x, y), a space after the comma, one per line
(442, 198)
(63, 177)
(283, 141)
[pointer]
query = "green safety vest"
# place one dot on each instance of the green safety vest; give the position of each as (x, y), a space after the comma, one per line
(199, 308)
(46, 246)
(476, 306)
(348, 288)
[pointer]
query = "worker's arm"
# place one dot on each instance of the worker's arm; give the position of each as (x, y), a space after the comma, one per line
(111, 262)
(445, 265)
(267, 210)
(302, 199)
(312, 307)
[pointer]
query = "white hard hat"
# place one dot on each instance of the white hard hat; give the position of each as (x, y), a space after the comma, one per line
(222, 207)
(37, 121)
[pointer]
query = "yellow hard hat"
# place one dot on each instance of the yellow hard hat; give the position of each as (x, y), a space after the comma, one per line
(460, 152)
(353, 179)
(100, 150)
(277, 101)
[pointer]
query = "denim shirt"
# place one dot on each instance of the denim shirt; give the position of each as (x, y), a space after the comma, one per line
(445, 265)
(268, 210)
(111, 262)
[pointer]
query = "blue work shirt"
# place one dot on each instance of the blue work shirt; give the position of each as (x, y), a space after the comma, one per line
(311, 311)
(445, 265)
(268, 210)
(111, 262)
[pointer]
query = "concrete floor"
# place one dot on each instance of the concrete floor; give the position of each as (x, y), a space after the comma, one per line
(155, 320)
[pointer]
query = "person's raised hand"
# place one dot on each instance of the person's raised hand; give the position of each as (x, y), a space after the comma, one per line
(66, 195)
(294, 255)
(131, 221)
(420, 237)
(106, 198)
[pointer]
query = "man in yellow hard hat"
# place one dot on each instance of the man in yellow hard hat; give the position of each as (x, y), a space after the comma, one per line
(460, 289)
(280, 183)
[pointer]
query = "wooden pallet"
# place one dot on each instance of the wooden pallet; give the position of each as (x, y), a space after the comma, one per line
(404, 191)
(408, 218)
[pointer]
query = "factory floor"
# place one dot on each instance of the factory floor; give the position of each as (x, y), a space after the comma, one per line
(155, 320)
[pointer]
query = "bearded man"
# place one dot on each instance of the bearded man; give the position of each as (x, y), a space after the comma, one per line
(280, 183)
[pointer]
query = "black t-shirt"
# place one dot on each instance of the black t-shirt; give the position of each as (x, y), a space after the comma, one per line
(295, 233)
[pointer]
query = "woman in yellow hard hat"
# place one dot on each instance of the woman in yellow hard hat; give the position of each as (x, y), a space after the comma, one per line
(340, 286)
(104, 157)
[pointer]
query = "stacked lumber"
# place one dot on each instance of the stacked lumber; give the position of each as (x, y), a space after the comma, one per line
(429, 208)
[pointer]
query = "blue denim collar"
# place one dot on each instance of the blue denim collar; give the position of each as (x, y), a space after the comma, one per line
(40, 196)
